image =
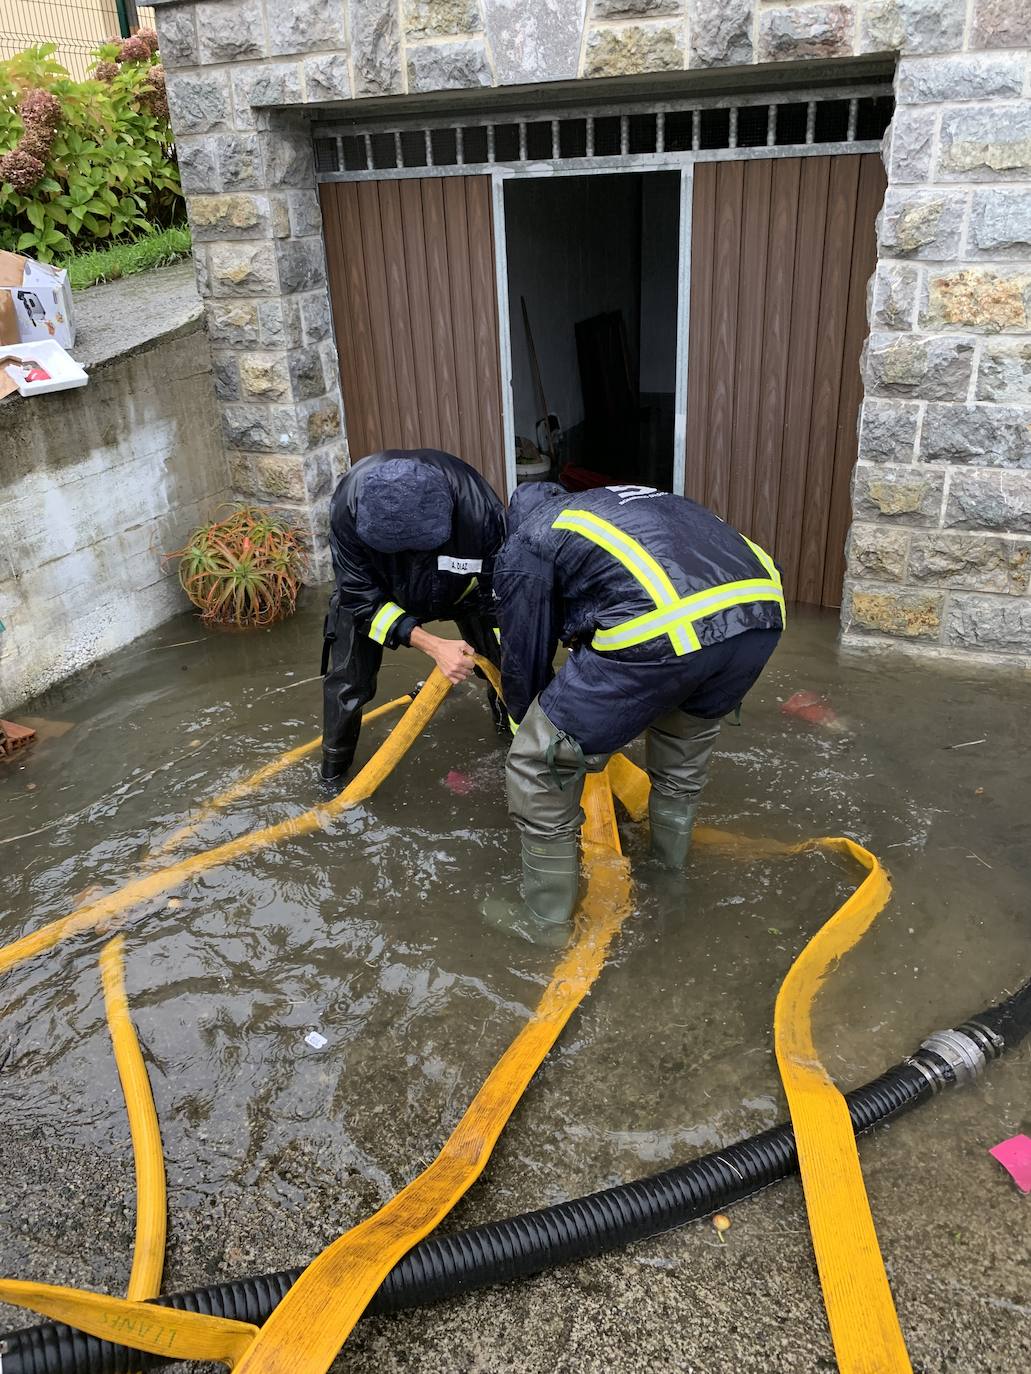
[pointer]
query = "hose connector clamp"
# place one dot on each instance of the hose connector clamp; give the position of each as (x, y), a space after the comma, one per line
(950, 1056)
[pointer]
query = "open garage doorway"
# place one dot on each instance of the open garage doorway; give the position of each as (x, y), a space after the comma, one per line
(592, 289)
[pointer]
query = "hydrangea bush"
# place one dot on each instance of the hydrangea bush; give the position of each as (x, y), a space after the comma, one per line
(82, 161)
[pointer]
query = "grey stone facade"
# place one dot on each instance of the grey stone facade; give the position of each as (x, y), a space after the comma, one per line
(939, 553)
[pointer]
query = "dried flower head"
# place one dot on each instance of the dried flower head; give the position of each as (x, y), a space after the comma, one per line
(21, 169)
(154, 96)
(40, 107)
(134, 49)
(150, 38)
(36, 141)
(106, 71)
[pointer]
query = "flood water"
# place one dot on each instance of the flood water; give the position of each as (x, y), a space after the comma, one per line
(368, 933)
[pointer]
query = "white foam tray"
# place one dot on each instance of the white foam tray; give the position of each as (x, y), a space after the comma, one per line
(64, 371)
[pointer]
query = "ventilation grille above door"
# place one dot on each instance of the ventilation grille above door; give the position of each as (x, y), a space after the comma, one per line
(855, 115)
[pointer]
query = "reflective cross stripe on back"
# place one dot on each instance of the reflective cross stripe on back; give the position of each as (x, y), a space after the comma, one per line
(637, 561)
(674, 615)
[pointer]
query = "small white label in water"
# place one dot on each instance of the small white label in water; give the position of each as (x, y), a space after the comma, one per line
(462, 566)
(315, 1040)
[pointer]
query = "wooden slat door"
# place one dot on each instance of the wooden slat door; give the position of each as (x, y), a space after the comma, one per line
(781, 253)
(412, 280)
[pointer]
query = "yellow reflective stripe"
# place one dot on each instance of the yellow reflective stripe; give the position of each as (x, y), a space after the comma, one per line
(387, 615)
(764, 558)
(669, 619)
(497, 634)
(633, 556)
(731, 593)
(771, 567)
(473, 582)
(665, 620)
(674, 615)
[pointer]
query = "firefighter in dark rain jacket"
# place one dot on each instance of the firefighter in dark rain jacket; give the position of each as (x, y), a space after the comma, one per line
(414, 534)
(670, 616)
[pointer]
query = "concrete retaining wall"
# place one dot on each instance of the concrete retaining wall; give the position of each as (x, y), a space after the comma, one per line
(96, 484)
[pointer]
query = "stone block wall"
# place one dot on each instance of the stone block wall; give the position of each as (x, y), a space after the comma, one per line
(943, 490)
(940, 552)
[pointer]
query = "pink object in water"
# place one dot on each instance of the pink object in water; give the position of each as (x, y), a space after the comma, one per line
(461, 784)
(1015, 1157)
(808, 706)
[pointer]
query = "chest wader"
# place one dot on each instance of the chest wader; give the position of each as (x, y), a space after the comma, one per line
(350, 664)
(544, 779)
(678, 748)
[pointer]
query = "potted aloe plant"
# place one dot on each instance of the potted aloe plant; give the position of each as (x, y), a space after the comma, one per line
(245, 570)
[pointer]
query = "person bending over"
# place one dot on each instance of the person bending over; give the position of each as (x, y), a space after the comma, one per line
(413, 534)
(670, 616)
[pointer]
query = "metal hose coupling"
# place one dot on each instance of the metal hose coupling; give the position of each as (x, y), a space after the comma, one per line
(957, 1055)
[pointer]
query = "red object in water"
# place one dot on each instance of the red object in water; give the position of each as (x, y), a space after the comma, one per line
(810, 707)
(37, 374)
(461, 784)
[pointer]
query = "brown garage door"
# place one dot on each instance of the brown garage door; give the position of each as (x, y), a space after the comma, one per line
(411, 273)
(781, 252)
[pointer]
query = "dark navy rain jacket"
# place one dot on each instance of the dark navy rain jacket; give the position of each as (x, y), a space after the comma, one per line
(553, 585)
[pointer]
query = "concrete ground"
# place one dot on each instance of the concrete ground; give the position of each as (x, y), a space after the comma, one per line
(272, 1154)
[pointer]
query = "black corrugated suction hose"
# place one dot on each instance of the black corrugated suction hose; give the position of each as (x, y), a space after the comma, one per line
(447, 1266)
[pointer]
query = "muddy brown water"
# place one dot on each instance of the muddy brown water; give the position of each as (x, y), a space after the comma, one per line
(368, 933)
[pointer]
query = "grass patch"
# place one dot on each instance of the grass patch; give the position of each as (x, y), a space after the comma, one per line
(156, 249)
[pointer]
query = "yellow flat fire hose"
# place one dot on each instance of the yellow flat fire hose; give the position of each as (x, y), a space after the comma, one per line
(261, 775)
(861, 1312)
(307, 1329)
(146, 888)
(148, 1258)
(318, 1313)
(141, 1325)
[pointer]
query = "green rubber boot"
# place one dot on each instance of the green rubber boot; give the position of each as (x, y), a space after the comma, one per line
(551, 883)
(672, 825)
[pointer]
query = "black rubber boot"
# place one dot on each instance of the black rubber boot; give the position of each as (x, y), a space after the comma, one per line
(334, 769)
(551, 884)
(671, 820)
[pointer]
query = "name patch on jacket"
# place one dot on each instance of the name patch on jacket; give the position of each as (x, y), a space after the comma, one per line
(462, 566)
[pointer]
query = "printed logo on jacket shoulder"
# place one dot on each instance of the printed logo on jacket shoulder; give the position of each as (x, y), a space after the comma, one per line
(631, 492)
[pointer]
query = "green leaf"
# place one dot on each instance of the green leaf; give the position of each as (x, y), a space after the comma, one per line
(34, 213)
(26, 241)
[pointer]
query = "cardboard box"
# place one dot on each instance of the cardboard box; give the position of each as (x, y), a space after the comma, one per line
(40, 299)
